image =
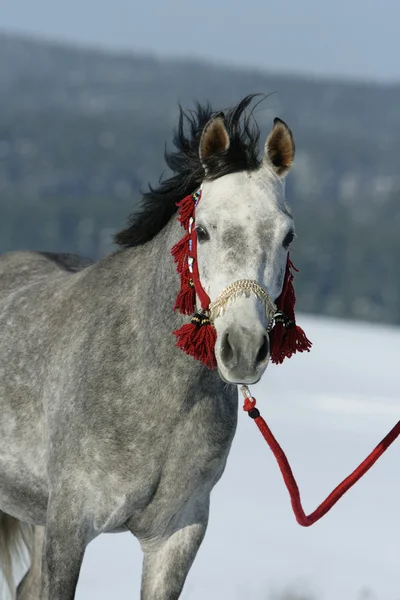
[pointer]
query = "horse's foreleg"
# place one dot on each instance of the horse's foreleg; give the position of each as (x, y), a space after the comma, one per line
(167, 561)
(66, 537)
(30, 586)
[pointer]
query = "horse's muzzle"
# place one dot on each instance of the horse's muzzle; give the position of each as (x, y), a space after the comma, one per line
(243, 354)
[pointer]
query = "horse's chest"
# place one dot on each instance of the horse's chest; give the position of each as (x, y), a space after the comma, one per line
(189, 457)
(192, 462)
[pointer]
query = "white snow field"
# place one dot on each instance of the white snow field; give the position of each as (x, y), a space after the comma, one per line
(328, 409)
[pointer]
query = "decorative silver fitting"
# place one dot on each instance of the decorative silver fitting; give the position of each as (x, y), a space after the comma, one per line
(246, 392)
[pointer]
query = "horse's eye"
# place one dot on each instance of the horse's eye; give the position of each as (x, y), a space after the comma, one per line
(288, 239)
(202, 234)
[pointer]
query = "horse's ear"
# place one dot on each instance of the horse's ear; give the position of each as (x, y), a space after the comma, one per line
(214, 138)
(279, 148)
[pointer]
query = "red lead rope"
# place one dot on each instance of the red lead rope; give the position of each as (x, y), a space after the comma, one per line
(288, 477)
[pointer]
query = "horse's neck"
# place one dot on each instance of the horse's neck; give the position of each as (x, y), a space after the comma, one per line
(150, 275)
(134, 291)
(133, 295)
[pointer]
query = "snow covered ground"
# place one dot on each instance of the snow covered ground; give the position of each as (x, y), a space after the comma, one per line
(328, 410)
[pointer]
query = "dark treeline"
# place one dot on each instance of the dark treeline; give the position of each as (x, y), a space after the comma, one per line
(81, 132)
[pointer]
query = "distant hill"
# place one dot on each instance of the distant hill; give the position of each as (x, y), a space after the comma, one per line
(82, 131)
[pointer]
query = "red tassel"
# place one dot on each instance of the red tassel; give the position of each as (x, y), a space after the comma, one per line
(276, 340)
(303, 344)
(186, 210)
(198, 341)
(287, 299)
(286, 339)
(180, 252)
(186, 298)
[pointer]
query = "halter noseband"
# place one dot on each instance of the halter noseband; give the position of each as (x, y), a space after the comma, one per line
(198, 338)
(243, 287)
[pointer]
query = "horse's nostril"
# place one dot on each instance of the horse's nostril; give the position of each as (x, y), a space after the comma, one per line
(227, 353)
(263, 351)
(243, 351)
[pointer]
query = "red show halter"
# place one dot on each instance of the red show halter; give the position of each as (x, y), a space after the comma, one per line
(198, 337)
(287, 473)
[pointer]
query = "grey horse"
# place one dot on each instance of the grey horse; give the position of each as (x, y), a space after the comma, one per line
(106, 425)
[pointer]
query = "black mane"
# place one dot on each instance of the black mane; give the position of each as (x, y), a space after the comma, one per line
(159, 204)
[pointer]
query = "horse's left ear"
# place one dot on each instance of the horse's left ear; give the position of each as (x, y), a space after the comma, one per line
(214, 139)
(279, 148)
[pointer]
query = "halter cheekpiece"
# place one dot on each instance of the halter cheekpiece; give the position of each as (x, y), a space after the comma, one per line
(198, 337)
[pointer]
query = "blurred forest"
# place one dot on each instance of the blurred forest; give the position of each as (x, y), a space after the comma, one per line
(82, 131)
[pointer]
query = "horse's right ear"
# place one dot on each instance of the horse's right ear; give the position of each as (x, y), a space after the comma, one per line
(214, 139)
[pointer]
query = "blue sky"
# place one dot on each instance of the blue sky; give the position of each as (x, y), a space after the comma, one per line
(351, 38)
